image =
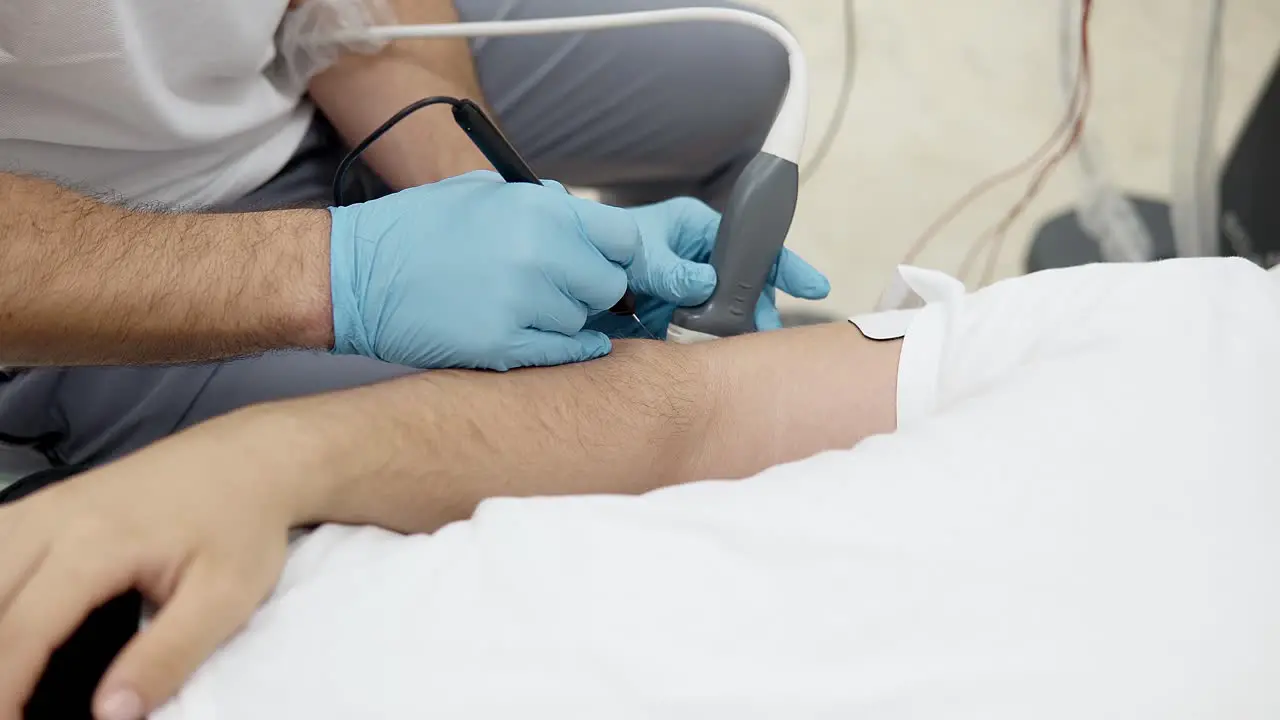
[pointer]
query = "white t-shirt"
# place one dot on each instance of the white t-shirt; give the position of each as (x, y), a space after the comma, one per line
(1077, 518)
(171, 101)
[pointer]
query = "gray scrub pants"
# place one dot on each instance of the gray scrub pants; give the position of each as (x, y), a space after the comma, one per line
(643, 114)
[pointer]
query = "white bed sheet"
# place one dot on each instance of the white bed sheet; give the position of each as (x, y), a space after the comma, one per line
(1076, 518)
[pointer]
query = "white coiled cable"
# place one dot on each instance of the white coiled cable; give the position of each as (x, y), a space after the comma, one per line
(1102, 211)
(307, 48)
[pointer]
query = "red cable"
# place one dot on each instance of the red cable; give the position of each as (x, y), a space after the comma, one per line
(1073, 121)
(1085, 79)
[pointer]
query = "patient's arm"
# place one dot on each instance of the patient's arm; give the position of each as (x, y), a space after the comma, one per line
(419, 452)
(198, 522)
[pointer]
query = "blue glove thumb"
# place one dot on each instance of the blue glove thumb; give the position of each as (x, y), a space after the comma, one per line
(797, 278)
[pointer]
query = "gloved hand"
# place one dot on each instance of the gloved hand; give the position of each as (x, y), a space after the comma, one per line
(677, 237)
(475, 272)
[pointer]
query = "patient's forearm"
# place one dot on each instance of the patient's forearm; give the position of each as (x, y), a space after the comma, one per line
(419, 452)
(786, 395)
(361, 91)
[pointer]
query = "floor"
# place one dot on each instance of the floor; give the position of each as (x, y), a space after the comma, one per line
(946, 94)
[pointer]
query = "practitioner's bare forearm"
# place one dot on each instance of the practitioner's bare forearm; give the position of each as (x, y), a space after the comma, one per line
(87, 283)
(360, 92)
(422, 451)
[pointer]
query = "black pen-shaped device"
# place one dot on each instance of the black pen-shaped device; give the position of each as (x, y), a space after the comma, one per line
(503, 157)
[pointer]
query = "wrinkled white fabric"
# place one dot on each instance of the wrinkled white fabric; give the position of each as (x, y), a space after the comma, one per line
(1076, 519)
(163, 101)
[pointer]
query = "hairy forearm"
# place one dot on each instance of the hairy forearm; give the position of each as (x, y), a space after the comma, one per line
(785, 395)
(88, 283)
(423, 451)
(361, 91)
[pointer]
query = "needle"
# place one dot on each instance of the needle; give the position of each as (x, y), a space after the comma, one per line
(642, 326)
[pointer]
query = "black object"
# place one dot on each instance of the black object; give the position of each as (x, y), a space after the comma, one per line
(486, 137)
(1249, 219)
(340, 175)
(46, 444)
(1061, 242)
(492, 143)
(65, 690)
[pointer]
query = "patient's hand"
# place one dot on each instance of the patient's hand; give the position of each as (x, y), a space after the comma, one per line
(199, 523)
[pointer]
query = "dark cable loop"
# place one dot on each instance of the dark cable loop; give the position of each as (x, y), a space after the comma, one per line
(340, 175)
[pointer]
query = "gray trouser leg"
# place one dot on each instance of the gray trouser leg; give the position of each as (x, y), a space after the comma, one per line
(645, 114)
(105, 412)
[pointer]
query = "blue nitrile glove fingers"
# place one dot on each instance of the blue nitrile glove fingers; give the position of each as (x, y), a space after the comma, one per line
(797, 278)
(532, 348)
(478, 273)
(678, 236)
(767, 316)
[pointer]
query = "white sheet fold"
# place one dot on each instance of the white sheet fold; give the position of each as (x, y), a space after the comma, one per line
(1077, 519)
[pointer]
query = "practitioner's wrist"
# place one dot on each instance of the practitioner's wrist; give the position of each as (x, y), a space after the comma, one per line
(305, 289)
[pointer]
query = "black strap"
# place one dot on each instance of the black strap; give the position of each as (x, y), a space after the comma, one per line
(66, 688)
(46, 444)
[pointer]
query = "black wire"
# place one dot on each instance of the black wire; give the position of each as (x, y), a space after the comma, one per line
(340, 175)
(46, 444)
(810, 167)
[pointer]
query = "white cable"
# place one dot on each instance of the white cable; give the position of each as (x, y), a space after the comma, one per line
(1194, 210)
(1101, 209)
(786, 137)
(836, 123)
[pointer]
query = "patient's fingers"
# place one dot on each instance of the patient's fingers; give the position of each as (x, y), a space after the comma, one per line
(46, 610)
(208, 606)
(19, 560)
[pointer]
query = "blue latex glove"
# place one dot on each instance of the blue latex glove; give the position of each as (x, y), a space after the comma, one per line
(671, 270)
(475, 272)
